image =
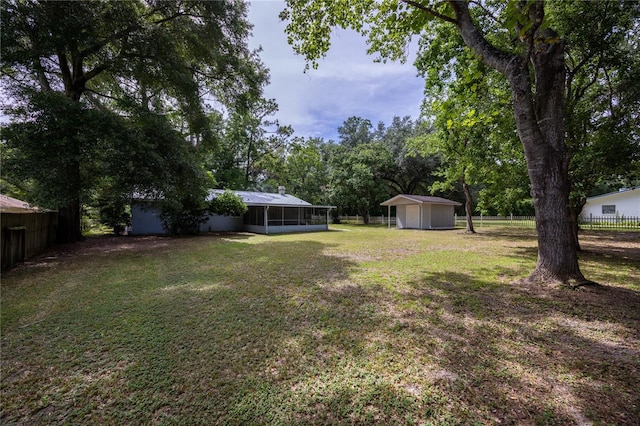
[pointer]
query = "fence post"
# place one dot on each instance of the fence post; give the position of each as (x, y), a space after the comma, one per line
(481, 220)
(591, 221)
(511, 220)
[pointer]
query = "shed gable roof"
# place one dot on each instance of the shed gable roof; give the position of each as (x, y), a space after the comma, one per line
(418, 199)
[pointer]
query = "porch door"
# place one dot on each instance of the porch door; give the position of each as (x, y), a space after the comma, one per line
(413, 216)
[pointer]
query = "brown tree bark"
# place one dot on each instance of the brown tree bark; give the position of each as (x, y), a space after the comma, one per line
(538, 108)
(468, 207)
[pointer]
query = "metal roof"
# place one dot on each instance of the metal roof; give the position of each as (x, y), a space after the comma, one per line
(420, 199)
(614, 193)
(268, 199)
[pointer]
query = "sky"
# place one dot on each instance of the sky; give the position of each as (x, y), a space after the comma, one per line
(347, 82)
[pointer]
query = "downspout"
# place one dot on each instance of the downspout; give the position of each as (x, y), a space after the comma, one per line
(420, 215)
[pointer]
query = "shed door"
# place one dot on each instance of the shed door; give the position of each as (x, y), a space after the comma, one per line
(413, 216)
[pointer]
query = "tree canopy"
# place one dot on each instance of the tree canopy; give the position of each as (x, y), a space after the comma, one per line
(120, 85)
(521, 41)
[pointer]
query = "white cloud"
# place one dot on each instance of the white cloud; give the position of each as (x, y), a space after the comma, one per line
(348, 82)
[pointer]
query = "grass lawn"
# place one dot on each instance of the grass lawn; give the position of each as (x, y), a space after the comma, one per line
(361, 325)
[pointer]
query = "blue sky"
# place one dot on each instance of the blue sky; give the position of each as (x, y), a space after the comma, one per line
(347, 82)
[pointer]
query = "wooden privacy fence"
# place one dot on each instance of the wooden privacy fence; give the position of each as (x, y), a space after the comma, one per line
(25, 233)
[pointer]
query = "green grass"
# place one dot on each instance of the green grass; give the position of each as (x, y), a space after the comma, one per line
(361, 325)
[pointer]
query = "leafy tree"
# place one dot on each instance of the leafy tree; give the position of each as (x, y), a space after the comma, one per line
(227, 204)
(169, 59)
(355, 131)
(356, 180)
(301, 168)
(251, 142)
(602, 102)
(413, 172)
(514, 38)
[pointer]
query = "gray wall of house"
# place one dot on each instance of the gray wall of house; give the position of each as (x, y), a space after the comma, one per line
(145, 220)
(217, 223)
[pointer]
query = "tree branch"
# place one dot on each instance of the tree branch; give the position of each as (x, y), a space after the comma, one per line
(495, 58)
(430, 11)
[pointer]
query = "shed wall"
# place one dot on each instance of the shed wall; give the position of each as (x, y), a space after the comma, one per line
(426, 216)
(401, 216)
(442, 217)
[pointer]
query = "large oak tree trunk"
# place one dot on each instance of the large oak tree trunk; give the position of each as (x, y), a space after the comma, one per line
(540, 122)
(69, 220)
(538, 107)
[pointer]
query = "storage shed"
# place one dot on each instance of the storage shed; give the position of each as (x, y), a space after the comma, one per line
(623, 203)
(422, 212)
(269, 213)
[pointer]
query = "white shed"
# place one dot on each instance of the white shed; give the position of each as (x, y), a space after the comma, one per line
(422, 212)
(623, 203)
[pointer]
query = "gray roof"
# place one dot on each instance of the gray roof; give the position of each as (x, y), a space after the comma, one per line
(609, 194)
(268, 199)
(420, 199)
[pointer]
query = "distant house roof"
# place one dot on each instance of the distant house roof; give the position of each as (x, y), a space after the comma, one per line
(251, 198)
(418, 199)
(265, 198)
(13, 205)
(626, 191)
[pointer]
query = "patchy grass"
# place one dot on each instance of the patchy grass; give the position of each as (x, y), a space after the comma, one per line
(361, 325)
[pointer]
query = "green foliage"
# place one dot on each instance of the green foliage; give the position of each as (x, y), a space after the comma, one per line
(603, 93)
(108, 98)
(115, 214)
(357, 177)
(227, 203)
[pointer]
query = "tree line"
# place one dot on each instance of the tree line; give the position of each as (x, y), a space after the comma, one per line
(523, 110)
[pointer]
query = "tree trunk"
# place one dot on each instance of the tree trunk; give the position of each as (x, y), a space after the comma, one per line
(540, 123)
(538, 109)
(69, 219)
(468, 207)
(575, 216)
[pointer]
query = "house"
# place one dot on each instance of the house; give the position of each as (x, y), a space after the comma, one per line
(623, 203)
(422, 212)
(268, 213)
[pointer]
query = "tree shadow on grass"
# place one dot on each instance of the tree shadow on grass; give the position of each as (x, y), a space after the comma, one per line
(533, 355)
(282, 332)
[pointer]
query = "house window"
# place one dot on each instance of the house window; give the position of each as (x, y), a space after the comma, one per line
(609, 209)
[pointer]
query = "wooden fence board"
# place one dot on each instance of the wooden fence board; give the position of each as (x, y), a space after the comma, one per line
(25, 234)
